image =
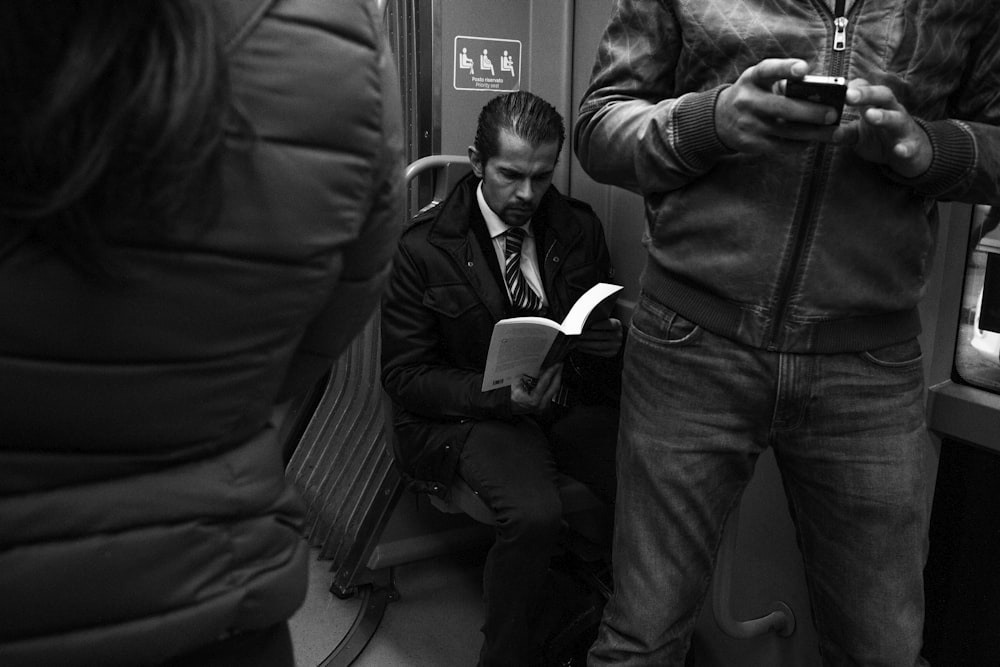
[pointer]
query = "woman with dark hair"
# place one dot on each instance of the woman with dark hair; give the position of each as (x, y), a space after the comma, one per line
(191, 192)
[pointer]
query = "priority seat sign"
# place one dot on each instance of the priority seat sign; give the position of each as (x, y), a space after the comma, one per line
(487, 64)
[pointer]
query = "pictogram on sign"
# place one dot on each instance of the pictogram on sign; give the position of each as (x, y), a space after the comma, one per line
(484, 63)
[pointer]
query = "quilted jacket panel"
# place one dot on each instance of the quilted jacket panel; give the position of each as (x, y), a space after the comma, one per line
(144, 506)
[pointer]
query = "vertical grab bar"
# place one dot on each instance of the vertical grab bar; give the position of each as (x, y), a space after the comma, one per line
(779, 618)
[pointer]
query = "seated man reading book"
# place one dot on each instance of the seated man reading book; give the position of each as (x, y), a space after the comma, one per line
(504, 243)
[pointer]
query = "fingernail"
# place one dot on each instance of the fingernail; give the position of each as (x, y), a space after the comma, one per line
(830, 118)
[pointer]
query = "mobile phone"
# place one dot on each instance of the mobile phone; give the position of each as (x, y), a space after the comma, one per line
(827, 90)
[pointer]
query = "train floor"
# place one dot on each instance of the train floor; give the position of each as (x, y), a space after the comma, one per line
(434, 623)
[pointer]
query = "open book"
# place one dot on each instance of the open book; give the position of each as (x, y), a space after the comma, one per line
(525, 345)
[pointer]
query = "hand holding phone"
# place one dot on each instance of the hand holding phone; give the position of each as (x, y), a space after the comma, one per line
(826, 90)
(749, 118)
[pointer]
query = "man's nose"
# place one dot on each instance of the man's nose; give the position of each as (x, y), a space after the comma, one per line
(525, 190)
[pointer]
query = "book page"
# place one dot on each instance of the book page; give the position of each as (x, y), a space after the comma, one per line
(520, 345)
(581, 310)
(517, 348)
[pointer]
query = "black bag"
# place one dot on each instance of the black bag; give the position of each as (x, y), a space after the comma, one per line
(574, 599)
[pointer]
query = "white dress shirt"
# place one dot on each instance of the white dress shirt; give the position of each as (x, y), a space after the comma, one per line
(529, 257)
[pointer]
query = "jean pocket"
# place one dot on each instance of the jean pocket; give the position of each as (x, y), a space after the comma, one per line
(899, 355)
(656, 324)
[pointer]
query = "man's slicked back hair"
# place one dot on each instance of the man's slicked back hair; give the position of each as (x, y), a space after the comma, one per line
(524, 115)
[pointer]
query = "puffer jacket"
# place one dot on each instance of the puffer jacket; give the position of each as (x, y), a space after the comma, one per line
(438, 312)
(143, 506)
(818, 251)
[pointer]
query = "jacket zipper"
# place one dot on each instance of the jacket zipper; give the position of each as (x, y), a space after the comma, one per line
(839, 36)
(804, 222)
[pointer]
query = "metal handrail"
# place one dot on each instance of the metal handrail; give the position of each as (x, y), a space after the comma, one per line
(432, 162)
(779, 618)
(442, 184)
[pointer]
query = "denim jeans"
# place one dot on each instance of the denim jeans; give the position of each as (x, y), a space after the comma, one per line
(849, 437)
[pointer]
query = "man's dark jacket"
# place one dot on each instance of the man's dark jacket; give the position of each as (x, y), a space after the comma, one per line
(445, 295)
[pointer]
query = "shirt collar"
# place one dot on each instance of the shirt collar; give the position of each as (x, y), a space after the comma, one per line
(494, 224)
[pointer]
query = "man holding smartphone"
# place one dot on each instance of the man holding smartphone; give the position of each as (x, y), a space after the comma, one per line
(788, 249)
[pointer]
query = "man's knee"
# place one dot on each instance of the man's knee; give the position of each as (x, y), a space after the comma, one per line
(510, 465)
(536, 517)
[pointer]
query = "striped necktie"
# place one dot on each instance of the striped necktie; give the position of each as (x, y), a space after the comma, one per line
(521, 295)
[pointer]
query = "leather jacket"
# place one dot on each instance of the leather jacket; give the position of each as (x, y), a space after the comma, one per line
(444, 296)
(817, 251)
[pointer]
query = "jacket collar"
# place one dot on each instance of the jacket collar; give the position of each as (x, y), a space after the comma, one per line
(552, 223)
(460, 231)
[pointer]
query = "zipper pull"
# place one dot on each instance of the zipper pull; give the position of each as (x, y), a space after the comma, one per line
(840, 34)
(840, 25)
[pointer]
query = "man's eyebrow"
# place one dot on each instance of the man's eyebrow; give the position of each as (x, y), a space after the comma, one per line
(511, 171)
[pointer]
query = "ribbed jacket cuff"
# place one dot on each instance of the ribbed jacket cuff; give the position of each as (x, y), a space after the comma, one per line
(954, 157)
(698, 143)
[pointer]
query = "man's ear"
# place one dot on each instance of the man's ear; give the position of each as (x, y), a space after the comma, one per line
(477, 164)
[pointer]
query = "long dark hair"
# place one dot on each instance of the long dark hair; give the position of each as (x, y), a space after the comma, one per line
(111, 118)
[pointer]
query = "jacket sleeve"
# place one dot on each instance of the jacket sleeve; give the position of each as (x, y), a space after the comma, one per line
(966, 162)
(366, 263)
(633, 131)
(416, 371)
